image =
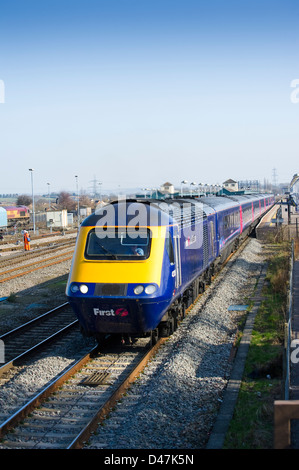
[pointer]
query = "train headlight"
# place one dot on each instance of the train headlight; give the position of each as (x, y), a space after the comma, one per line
(83, 289)
(138, 289)
(150, 289)
(74, 288)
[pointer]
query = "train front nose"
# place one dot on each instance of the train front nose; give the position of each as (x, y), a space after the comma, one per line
(114, 315)
(110, 286)
(130, 308)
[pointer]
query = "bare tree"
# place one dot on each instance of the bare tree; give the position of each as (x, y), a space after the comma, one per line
(65, 201)
(24, 200)
(84, 201)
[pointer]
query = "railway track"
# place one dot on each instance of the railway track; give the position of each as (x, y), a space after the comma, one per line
(34, 266)
(28, 338)
(88, 390)
(10, 260)
(36, 243)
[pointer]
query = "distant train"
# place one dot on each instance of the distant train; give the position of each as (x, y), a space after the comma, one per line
(17, 215)
(138, 264)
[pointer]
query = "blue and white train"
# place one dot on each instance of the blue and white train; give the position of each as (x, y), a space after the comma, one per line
(138, 264)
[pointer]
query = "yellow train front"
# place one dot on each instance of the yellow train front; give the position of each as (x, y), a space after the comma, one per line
(121, 278)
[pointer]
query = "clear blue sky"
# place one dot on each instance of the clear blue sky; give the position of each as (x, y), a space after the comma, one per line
(139, 92)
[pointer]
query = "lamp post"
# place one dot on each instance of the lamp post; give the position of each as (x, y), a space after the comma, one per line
(33, 210)
(183, 182)
(77, 199)
(49, 195)
(193, 184)
(100, 184)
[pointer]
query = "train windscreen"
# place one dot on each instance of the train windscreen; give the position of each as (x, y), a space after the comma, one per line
(118, 244)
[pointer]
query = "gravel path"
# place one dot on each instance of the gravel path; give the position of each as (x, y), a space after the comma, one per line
(175, 402)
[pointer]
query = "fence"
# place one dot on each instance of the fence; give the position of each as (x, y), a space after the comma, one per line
(286, 410)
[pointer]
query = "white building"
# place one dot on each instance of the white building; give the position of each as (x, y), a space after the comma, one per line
(231, 185)
(167, 188)
(57, 218)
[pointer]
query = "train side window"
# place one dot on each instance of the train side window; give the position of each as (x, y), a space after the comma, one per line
(169, 249)
(212, 236)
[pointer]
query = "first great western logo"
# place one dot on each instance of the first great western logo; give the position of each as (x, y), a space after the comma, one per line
(120, 312)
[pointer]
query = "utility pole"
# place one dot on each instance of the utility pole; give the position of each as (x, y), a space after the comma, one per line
(77, 199)
(274, 179)
(95, 183)
(49, 195)
(33, 210)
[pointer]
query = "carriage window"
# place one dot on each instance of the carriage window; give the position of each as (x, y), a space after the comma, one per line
(169, 248)
(212, 237)
(122, 244)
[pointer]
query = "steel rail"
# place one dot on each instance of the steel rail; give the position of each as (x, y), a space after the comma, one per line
(20, 248)
(34, 263)
(36, 347)
(13, 362)
(35, 252)
(105, 409)
(20, 414)
(36, 269)
(31, 322)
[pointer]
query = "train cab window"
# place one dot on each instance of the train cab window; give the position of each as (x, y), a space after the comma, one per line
(118, 245)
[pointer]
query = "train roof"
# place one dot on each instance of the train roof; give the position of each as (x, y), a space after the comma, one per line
(155, 212)
(223, 202)
(13, 208)
(243, 198)
(182, 211)
(217, 202)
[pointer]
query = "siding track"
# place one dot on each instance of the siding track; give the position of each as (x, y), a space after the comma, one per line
(31, 336)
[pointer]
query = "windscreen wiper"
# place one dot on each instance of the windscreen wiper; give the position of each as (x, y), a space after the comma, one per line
(113, 255)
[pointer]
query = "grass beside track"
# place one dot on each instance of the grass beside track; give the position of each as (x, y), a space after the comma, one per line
(252, 423)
